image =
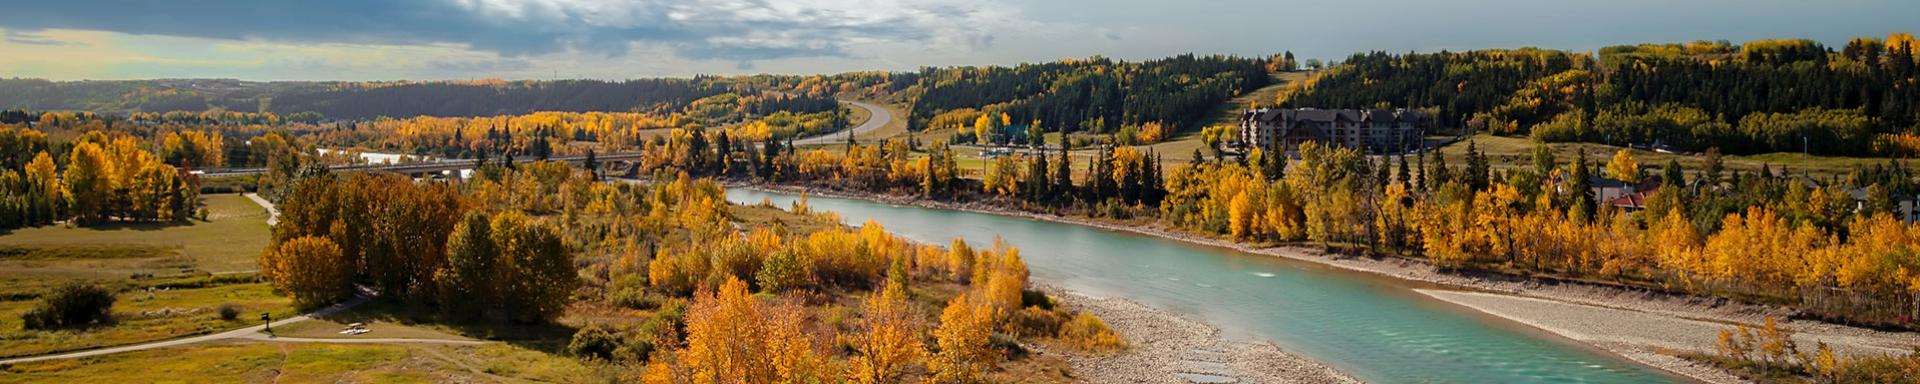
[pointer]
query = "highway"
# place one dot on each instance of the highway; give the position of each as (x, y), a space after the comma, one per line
(879, 118)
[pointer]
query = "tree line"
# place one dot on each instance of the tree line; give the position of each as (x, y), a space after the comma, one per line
(96, 178)
(1763, 96)
(1095, 95)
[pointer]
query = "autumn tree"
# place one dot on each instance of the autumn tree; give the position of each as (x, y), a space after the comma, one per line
(962, 336)
(88, 182)
(535, 265)
(1623, 167)
(890, 342)
(732, 337)
(310, 269)
(193, 149)
(472, 267)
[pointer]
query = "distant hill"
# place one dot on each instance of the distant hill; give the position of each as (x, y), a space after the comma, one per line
(351, 100)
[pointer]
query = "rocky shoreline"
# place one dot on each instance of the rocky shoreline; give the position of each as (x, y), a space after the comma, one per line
(1168, 348)
(1663, 306)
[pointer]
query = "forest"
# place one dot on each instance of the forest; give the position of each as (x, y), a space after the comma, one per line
(1096, 95)
(349, 101)
(1758, 97)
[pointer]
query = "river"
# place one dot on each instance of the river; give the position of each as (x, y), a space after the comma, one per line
(1374, 328)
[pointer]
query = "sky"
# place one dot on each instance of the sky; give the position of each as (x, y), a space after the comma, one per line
(623, 39)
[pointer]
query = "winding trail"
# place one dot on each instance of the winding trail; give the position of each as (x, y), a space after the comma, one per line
(273, 213)
(877, 117)
(248, 333)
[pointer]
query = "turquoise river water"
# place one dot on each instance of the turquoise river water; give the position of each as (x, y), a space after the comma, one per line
(1374, 328)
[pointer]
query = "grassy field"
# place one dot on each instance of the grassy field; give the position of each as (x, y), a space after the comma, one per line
(230, 241)
(755, 216)
(1518, 152)
(143, 316)
(160, 270)
(229, 362)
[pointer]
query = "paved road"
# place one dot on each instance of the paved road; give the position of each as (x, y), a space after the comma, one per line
(879, 117)
(248, 333)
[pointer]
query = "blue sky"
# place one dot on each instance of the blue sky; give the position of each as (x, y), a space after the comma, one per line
(617, 39)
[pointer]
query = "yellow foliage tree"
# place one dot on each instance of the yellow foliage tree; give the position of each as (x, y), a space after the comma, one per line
(734, 338)
(1623, 167)
(890, 343)
(962, 337)
(311, 269)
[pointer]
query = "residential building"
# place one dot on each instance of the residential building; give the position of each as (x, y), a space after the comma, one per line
(1369, 130)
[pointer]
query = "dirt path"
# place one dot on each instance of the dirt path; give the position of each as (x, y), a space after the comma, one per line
(273, 214)
(248, 333)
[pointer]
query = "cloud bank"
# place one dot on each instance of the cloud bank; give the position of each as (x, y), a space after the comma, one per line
(741, 30)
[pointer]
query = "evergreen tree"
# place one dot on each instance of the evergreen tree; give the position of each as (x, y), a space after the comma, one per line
(1274, 164)
(1405, 175)
(1584, 206)
(1063, 172)
(592, 165)
(1441, 174)
(1422, 184)
(1673, 176)
(1478, 175)
(1037, 177)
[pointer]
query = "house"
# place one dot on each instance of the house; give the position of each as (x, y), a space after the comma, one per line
(1621, 194)
(1635, 199)
(1904, 208)
(1369, 130)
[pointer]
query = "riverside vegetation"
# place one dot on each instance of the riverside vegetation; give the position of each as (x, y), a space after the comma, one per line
(1761, 236)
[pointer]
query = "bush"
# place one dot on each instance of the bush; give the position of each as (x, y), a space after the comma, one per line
(1037, 321)
(633, 297)
(1087, 332)
(669, 322)
(602, 342)
(75, 304)
(594, 341)
(1007, 345)
(1032, 298)
(228, 312)
(780, 272)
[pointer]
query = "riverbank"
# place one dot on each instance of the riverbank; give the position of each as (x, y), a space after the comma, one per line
(1698, 318)
(1167, 348)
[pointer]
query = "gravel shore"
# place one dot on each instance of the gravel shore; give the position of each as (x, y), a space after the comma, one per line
(1643, 325)
(1166, 348)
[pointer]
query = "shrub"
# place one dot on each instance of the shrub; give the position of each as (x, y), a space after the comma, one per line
(781, 271)
(669, 322)
(72, 305)
(1032, 298)
(228, 312)
(594, 341)
(1037, 321)
(1089, 333)
(634, 349)
(1007, 345)
(633, 297)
